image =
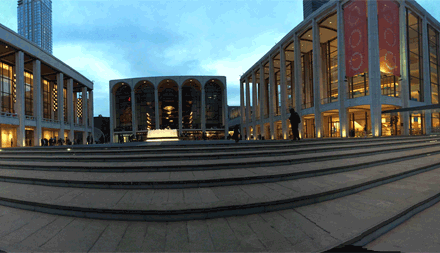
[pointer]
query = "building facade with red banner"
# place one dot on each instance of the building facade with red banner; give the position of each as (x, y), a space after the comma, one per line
(341, 68)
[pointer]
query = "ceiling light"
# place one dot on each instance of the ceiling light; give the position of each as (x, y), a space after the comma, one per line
(6, 46)
(330, 22)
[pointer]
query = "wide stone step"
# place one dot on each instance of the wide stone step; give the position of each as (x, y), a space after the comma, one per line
(418, 233)
(169, 156)
(92, 150)
(192, 165)
(210, 178)
(202, 203)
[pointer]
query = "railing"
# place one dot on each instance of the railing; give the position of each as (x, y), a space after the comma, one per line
(124, 128)
(306, 105)
(30, 117)
(328, 100)
(9, 114)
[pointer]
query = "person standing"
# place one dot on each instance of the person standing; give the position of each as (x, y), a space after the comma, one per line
(294, 121)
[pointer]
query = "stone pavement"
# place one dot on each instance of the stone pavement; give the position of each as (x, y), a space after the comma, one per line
(315, 227)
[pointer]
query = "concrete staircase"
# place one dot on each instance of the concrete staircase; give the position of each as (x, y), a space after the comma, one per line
(350, 190)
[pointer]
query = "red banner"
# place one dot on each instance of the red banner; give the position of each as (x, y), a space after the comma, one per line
(356, 37)
(389, 42)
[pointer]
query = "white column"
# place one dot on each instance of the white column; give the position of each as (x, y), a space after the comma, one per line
(254, 104)
(91, 119)
(180, 109)
(283, 78)
(342, 84)
(37, 101)
(156, 107)
(112, 115)
(70, 109)
(60, 103)
(426, 74)
(20, 100)
(84, 113)
(317, 79)
(404, 67)
(374, 69)
(242, 106)
(298, 80)
(203, 110)
(248, 109)
(225, 111)
(261, 98)
(272, 99)
(133, 113)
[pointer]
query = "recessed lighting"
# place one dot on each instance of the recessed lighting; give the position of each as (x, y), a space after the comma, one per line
(330, 22)
(309, 35)
(6, 46)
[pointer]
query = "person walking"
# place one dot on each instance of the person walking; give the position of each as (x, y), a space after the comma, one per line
(236, 135)
(294, 121)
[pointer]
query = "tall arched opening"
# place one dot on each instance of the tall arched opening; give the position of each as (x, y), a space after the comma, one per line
(168, 104)
(123, 114)
(145, 106)
(191, 104)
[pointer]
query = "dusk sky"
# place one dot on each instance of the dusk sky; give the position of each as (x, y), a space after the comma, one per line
(108, 39)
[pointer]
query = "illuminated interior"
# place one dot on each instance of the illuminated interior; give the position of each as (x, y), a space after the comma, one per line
(306, 41)
(359, 121)
(331, 125)
(329, 48)
(415, 56)
(290, 84)
(145, 106)
(309, 129)
(391, 122)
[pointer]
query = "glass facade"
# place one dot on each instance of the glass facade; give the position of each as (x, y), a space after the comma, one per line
(29, 93)
(191, 106)
(434, 66)
(290, 84)
(415, 61)
(35, 22)
(145, 107)
(6, 88)
(123, 108)
(214, 106)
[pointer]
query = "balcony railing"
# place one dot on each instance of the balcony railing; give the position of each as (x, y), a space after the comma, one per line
(9, 114)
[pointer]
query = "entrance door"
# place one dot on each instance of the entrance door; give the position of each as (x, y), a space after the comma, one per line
(29, 138)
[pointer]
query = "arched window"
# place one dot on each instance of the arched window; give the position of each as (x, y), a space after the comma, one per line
(168, 105)
(123, 108)
(145, 107)
(214, 105)
(191, 101)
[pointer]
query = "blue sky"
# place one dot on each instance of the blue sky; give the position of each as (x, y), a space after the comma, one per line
(109, 39)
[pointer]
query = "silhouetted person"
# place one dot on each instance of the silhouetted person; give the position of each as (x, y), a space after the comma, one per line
(294, 121)
(236, 135)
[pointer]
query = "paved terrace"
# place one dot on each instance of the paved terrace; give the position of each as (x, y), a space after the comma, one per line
(346, 194)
